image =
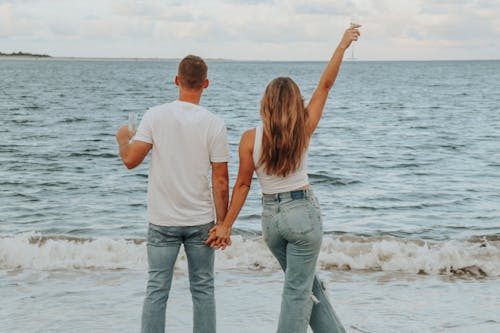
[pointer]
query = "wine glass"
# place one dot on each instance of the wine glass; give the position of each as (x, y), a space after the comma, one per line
(132, 121)
(354, 21)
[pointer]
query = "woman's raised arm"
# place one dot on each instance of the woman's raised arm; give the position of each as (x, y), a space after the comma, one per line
(318, 99)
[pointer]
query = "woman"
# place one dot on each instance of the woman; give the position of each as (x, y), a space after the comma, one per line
(291, 218)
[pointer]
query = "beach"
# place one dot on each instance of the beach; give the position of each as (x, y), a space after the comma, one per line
(99, 287)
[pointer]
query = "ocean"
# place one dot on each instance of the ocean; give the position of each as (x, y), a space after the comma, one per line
(405, 164)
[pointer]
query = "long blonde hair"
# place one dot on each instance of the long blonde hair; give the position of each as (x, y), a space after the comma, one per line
(285, 132)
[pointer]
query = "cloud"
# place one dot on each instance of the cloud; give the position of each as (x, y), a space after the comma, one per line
(251, 2)
(325, 8)
(14, 23)
(251, 29)
(154, 10)
(63, 29)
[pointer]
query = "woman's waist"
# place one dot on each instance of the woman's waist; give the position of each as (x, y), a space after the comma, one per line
(304, 192)
(274, 184)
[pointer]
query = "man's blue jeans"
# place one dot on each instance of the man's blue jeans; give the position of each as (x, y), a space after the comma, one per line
(292, 229)
(163, 245)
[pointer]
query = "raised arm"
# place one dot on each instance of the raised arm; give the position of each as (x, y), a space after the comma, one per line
(131, 153)
(220, 235)
(318, 99)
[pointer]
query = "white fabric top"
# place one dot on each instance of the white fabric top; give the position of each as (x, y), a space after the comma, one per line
(186, 138)
(272, 184)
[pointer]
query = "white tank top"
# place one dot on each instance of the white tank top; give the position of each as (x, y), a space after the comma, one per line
(272, 184)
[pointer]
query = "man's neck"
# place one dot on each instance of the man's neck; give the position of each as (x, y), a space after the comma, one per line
(190, 96)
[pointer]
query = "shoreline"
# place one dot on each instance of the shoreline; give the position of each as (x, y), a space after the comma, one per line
(413, 304)
(23, 55)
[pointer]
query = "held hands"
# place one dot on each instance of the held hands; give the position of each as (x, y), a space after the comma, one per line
(219, 236)
(351, 34)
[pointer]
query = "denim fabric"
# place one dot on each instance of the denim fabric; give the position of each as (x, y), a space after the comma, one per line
(163, 245)
(292, 229)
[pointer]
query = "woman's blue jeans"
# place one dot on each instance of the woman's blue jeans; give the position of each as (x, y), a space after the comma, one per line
(292, 229)
(163, 245)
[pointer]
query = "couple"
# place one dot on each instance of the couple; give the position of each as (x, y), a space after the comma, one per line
(186, 140)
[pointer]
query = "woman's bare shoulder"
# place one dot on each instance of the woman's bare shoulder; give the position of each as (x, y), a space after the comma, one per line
(248, 139)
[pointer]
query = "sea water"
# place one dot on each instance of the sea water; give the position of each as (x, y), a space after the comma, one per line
(405, 164)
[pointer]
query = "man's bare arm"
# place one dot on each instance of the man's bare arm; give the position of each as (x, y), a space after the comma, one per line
(220, 235)
(220, 189)
(131, 153)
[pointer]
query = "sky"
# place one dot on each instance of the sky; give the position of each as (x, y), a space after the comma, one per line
(252, 29)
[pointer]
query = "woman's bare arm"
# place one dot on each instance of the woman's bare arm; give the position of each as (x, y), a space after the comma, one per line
(318, 99)
(220, 234)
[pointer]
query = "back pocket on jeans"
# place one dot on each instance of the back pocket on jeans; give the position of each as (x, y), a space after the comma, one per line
(299, 218)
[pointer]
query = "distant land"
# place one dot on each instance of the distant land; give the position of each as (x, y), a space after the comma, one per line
(27, 55)
(34, 55)
(24, 54)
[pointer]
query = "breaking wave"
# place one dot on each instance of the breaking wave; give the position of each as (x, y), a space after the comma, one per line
(475, 257)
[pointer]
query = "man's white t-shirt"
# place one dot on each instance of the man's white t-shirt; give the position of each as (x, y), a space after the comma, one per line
(186, 138)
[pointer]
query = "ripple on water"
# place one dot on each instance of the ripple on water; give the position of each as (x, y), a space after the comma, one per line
(406, 155)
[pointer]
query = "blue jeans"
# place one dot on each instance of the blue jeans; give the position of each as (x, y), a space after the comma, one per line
(292, 229)
(163, 245)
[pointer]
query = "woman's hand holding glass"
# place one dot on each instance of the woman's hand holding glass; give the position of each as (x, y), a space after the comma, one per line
(351, 34)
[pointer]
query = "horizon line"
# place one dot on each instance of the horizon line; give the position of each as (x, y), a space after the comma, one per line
(229, 59)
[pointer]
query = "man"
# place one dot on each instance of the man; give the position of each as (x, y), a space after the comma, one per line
(185, 139)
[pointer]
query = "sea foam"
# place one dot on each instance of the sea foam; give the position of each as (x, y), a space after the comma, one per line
(376, 253)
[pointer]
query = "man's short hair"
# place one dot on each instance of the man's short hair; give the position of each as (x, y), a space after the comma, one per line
(192, 72)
